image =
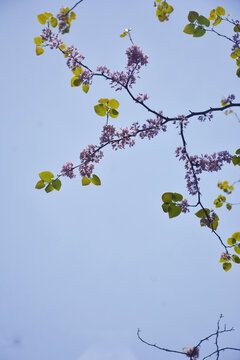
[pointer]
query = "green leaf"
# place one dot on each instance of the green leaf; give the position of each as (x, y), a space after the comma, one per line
(202, 20)
(214, 225)
(113, 103)
(49, 188)
(95, 180)
(201, 213)
(101, 109)
(237, 28)
(42, 18)
(40, 184)
(231, 241)
(220, 11)
(77, 71)
(103, 101)
(189, 29)
(53, 22)
(177, 197)
(236, 259)
(75, 82)
(46, 176)
(85, 88)
(174, 211)
(38, 40)
(167, 197)
(113, 113)
(165, 207)
(237, 249)
(85, 181)
(238, 72)
(57, 184)
(227, 266)
(238, 151)
(217, 21)
(235, 158)
(236, 236)
(192, 16)
(39, 50)
(73, 15)
(199, 31)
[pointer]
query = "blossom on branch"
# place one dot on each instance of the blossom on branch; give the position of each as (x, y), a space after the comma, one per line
(67, 170)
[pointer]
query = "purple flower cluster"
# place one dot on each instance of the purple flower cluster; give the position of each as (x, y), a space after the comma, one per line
(181, 120)
(74, 57)
(193, 352)
(86, 77)
(88, 156)
(205, 117)
(195, 165)
(225, 256)
(184, 206)
(120, 79)
(142, 97)
(136, 56)
(67, 170)
(236, 39)
(52, 38)
(228, 100)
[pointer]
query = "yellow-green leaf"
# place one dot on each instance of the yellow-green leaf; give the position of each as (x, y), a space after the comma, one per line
(57, 184)
(86, 181)
(189, 29)
(62, 46)
(53, 22)
(73, 15)
(85, 88)
(236, 259)
(46, 176)
(123, 34)
(49, 188)
(101, 109)
(95, 180)
(103, 101)
(217, 21)
(113, 113)
(77, 71)
(220, 11)
(236, 236)
(42, 18)
(38, 40)
(40, 184)
(113, 103)
(39, 50)
(75, 82)
(227, 266)
(212, 15)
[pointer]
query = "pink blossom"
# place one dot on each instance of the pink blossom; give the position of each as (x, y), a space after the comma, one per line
(193, 352)
(225, 256)
(136, 56)
(184, 206)
(67, 170)
(88, 156)
(142, 97)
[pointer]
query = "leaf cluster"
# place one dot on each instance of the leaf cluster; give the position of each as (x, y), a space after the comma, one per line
(171, 204)
(48, 182)
(107, 107)
(163, 10)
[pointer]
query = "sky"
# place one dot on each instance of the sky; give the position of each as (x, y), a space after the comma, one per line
(82, 269)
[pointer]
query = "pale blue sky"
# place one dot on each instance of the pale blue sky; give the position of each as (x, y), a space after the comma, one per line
(81, 270)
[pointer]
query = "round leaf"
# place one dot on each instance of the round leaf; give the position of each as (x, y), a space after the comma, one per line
(85, 88)
(46, 176)
(101, 109)
(42, 18)
(40, 184)
(103, 101)
(202, 20)
(57, 184)
(53, 22)
(192, 16)
(227, 266)
(236, 236)
(165, 207)
(95, 180)
(199, 31)
(237, 249)
(113, 103)
(236, 259)
(174, 211)
(113, 113)
(189, 29)
(75, 82)
(177, 197)
(38, 40)
(49, 188)
(77, 71)
(167, 197)
(201, 213)
(39, 50)
(85, 181)
(220, 11)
